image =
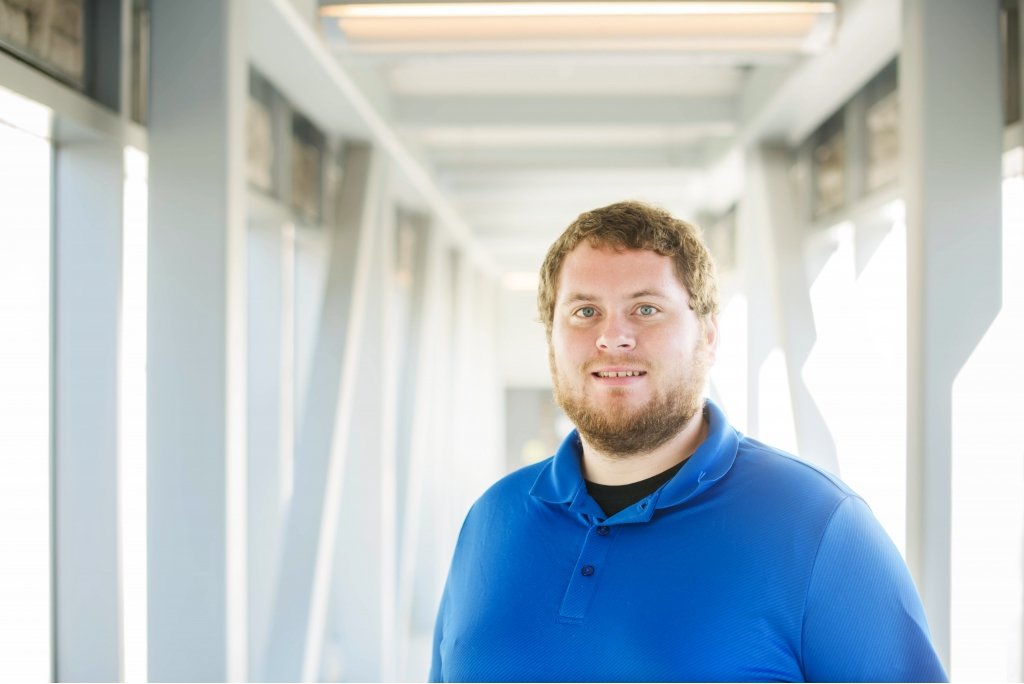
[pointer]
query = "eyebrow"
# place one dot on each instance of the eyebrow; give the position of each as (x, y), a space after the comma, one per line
(584, 297)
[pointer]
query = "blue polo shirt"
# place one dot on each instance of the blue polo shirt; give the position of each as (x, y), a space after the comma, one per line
(748, 565)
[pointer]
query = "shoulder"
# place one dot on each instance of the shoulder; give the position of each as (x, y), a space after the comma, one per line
(777, 470)
(515, 484)
(780, 494)
(509, 494)
(506, 510)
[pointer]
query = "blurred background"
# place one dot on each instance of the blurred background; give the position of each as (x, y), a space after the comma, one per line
(267, 283)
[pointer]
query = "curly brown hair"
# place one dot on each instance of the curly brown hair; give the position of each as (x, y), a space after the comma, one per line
(634, 225)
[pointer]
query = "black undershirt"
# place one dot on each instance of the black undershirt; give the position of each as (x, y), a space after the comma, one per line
(614, 498)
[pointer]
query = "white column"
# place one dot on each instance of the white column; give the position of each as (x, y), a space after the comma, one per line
(759, 285)
(1020, 90)
(307, 550)
(951, 136)
(270, 386)
(89, 186)
(429, 384)
(196, 349)
(358, 635)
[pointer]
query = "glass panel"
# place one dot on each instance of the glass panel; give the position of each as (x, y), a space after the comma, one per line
(334, 176)
(856, 371)
(988, 479)
(49, 33)
(881, 129)
(883, 136)
(829, 164)
(1009, 25)
(25, 571)
(307, 169)
(140, 61)
(261, 138)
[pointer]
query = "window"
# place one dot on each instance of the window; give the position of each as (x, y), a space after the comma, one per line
(856, 371)
(988, 477)
(25, 574)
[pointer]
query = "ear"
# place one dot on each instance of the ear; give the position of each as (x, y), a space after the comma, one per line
(711, 336)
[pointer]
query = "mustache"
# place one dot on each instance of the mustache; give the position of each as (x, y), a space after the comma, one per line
(594, 365)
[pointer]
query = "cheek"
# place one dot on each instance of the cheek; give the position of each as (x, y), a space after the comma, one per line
(677, 347)
(567, 343)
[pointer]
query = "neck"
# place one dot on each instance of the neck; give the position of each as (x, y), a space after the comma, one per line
(613, 469)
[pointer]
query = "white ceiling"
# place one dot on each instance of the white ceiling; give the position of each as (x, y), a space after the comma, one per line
(522, 140)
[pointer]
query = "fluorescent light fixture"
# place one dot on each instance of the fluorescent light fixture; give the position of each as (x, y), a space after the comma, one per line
(571, 9)
(755, 26)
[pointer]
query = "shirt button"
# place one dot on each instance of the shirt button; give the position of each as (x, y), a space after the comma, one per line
(603, 530)
(587, 570)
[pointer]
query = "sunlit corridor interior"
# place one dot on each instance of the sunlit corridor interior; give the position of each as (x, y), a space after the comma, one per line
(268, 275)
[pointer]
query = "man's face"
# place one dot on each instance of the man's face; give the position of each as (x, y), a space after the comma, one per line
(628, 355)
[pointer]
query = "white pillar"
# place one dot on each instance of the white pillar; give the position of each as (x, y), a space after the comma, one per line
(358, 636)
(196, 348)
(428, 384)
(307, 549)
(951, 136)
(270, 386)
(89, 185)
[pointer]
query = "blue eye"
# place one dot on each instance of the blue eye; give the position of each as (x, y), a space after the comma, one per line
(586, 312)
(647, 310)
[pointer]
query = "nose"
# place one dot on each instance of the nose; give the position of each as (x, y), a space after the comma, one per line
(616, 335)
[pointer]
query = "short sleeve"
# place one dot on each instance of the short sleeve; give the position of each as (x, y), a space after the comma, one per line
(863, 619)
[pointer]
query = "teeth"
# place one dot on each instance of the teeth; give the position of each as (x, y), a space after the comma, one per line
(619, 374)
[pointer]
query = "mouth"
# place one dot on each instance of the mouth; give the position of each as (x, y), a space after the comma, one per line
(619, 374)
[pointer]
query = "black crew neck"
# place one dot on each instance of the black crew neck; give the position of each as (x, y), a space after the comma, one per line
(614, 498)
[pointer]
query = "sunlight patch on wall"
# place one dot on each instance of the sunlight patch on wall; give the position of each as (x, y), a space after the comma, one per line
(729, 374)
(857, 369)
(775, 405)
(988, 480)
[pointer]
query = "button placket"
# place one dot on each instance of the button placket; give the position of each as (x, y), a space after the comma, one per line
(586, 576)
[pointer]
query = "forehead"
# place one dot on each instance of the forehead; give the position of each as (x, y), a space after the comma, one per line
(613, 271)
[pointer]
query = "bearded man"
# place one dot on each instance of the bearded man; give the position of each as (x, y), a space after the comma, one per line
(658, 543)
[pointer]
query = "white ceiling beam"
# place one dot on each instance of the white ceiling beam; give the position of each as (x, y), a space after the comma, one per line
(547, 136)
(576, 111)
(486, 159)
(502, 181)
(532, 214)
(588, 75)
(594, 52)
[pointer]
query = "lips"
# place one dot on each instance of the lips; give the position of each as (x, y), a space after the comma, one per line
(619, 373)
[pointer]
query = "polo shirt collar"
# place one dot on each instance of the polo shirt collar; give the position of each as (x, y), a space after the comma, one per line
(708, 464)
(561, 480)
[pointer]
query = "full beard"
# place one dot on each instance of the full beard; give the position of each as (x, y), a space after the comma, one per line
(621, 432)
